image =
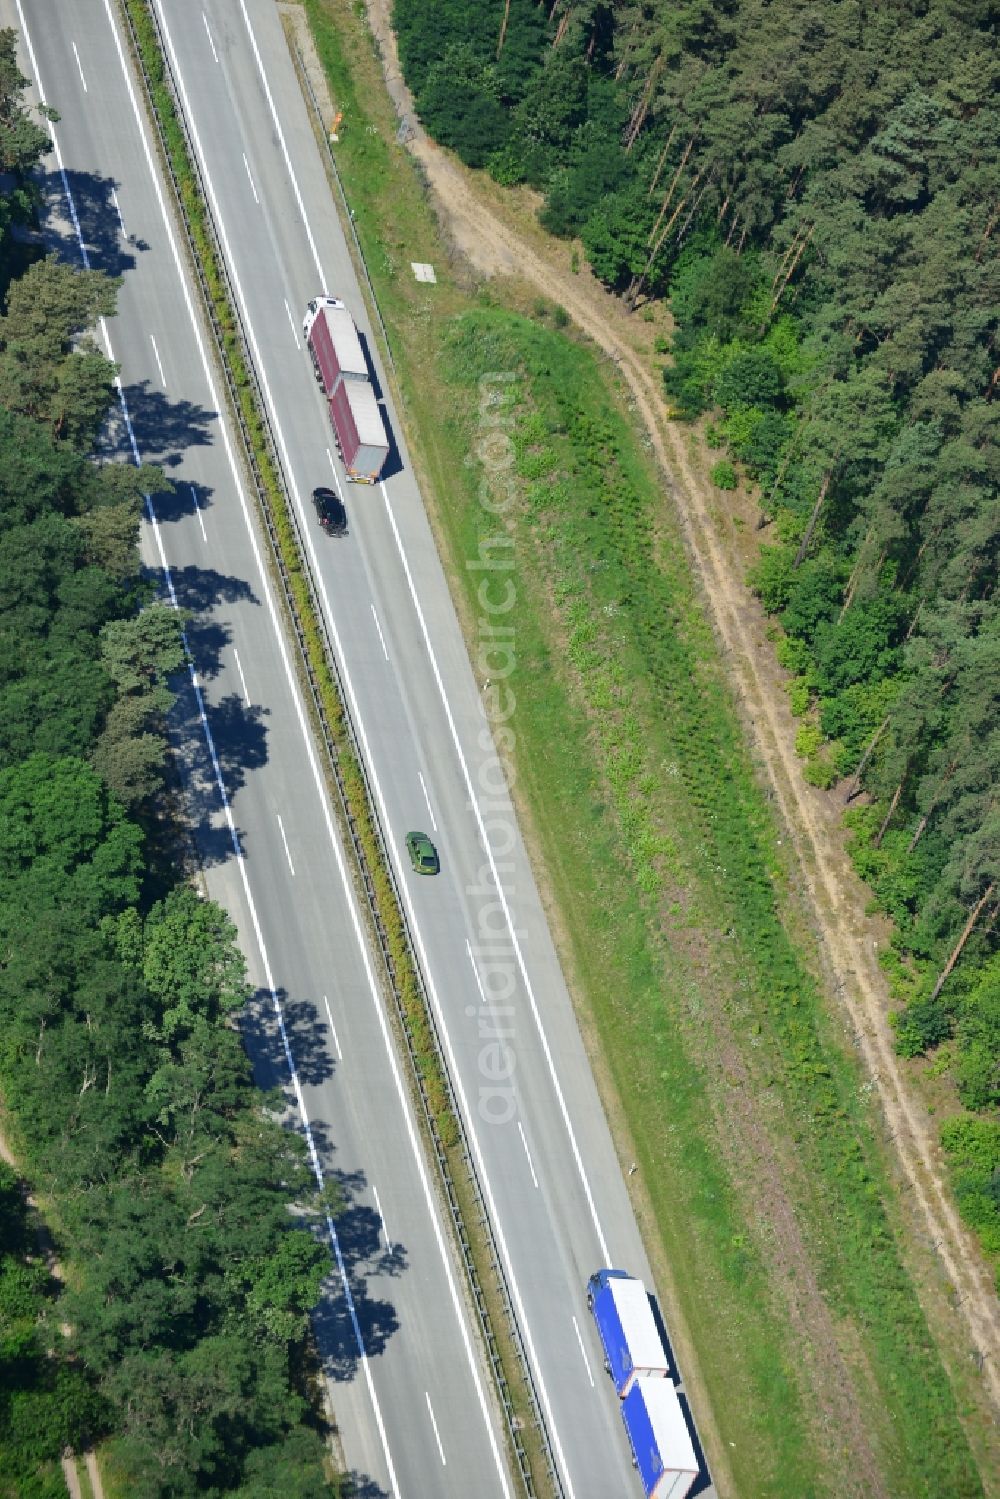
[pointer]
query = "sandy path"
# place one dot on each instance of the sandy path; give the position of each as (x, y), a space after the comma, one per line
(69, 1461)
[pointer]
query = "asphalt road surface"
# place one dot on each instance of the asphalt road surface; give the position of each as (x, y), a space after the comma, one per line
(549, 1172)
(415, 1407)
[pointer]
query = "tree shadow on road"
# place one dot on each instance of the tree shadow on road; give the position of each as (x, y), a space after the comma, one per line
(165, 429)
(362, 1246)
(94, 200)
(199, 590)
(207, 639)
(360, 1486)
(239, 741)
(188, 497)
(336, 1336)
(307, 1034)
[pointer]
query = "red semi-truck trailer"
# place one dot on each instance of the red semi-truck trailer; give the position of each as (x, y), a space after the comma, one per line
(360, 431)
(338, 359)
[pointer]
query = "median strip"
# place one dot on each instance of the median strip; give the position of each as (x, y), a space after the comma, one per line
(353, 797)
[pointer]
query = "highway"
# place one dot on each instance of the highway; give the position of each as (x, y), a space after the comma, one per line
(545, 1158)
(415, 1409)
(547, 1166)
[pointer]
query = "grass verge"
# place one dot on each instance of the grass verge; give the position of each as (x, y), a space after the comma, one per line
(697, 950)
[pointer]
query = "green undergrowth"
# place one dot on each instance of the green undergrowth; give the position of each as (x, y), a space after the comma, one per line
(659, 847)
(659, 785)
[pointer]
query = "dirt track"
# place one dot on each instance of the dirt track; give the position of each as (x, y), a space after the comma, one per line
(838, 899)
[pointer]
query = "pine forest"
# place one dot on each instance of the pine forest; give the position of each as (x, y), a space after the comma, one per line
(815, 191)
(177, 1338)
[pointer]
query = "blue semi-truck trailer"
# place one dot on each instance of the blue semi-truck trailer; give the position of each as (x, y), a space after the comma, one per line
(627, 1328)
(658, 1434)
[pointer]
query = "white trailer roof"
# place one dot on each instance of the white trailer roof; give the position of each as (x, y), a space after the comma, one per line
(673, 1440)
(366, 413)
(638, 1324)
(344, 336)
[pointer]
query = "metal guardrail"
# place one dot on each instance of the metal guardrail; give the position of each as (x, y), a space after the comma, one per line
(348, 213)
(333, 757)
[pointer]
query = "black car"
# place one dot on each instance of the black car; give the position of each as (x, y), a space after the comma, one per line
(331, 513)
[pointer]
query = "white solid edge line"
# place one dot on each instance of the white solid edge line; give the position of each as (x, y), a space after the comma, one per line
(362, 735)
(317, 776)
(284, 149)
(477, 1151)
(317, 1168)
(196, 686)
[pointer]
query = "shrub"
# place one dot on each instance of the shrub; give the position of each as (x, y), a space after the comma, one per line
(793, 655)
(691, 376)
(771, 577)
(820, 770)
(752, 377)
(807, 740)
(760, 443)
(458, 106)
(724, 475)
(973, 1142)
(814, 593)
(710, 291)
(977, 1068)
(799, 695)
(924, 1024)
(506, 166)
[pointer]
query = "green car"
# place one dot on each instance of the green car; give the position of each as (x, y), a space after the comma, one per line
(423, 854)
